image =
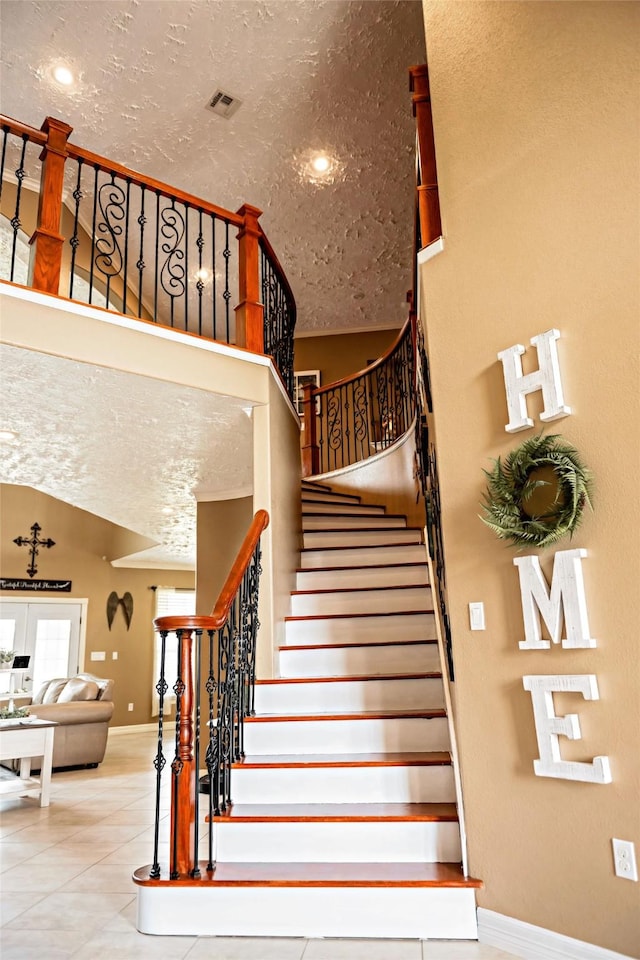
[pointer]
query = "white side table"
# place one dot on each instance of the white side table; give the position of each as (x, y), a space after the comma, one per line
(22, 740)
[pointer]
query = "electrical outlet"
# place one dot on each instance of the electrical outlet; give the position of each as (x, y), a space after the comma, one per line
(130, 707)
(624, 859)
(114, 655)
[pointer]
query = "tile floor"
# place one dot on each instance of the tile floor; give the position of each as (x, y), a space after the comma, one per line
(66, 879)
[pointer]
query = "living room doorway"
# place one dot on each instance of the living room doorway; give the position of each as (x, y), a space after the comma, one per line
(50, 632)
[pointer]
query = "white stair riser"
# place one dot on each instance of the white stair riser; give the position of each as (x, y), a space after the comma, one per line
(266, 911)
(362, 601)
(418, 626)
(358, 538)
(350, 661)
(362, 522)
(342, 785)
(361, 577)
(352, 695)
(363, 556)
(338, 509)
(330, 842)
(345, 736)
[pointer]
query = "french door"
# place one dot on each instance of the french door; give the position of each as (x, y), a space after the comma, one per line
(51, 633)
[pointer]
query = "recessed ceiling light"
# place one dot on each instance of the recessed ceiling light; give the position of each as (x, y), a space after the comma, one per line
(8, 435)
(167, 511)
(321, 163)
(63, 75)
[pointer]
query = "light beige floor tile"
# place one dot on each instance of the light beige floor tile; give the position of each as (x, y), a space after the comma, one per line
(12, 905)
(247, 948)
(107, 878)
(11, 854)
(363, 950)
(143, 818)
(47, 878)
(40, 944)
(71, 911)
(69, 852)
(460, 950)
(117, 945)
(104, 833)
(44, 832)
(136, 851)
(125, 920)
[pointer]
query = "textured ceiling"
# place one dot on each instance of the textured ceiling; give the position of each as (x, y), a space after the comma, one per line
(313, 75)
(95, 438)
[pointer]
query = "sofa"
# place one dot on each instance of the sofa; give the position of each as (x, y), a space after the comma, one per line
(83, 707)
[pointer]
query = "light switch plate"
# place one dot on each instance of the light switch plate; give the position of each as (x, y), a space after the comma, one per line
(476, 616)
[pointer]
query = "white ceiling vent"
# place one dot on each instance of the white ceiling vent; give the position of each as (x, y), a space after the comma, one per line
(223, 104)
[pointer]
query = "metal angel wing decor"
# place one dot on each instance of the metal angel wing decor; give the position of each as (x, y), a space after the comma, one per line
(114, 601)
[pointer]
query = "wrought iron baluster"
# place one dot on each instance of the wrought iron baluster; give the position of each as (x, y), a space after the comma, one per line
(93, 230)
(226, 253)
(157, 260)
(172, 273)
(140, 264)
(74, 242)
(125, 274)
(211, 757)
(15, 220)
(177, 765)
(215, 279)
(5, 137)
(200, 283)
(160, 759)
(186, 267)
(108, 260)
(196, 753)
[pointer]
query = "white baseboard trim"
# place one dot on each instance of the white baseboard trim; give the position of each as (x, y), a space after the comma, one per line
(536, 943)
(133, 728)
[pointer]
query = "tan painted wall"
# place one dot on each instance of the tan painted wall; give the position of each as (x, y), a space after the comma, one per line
(341, 354)
(277, 471)
(222, 526)
(81, 542)
(536, 126)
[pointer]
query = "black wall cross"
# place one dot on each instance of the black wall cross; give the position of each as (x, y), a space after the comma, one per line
(34, 542)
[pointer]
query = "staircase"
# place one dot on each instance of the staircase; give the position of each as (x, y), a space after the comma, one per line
(344, 818)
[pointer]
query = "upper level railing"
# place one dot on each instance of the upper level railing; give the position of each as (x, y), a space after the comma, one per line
(105, 235)
(352, 419)
(215, 663)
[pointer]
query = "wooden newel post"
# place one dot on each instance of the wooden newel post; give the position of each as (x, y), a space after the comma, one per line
(428, 200)
(250, 311)
(47, 241)
(183, 794)
(310, 451)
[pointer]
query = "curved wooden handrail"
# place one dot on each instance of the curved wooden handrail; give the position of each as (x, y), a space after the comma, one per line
(316, 391)
(268, 249)
(156, 186)
(21, 129)
(231, 586)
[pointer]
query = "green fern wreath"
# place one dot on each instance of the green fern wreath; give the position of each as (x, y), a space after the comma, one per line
(511, 484)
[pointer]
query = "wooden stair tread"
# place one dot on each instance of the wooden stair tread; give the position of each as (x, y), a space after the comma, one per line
(351, 546)
(435, 758)
(361, 529)
(394, 586)
(353, 616)
(343, 646)
(321, 875)
(435, 713)
(434, 675)
(370, 566)
(339, 813)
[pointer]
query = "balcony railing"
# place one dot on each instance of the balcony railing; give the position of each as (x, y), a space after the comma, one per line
(352, 419)
(105, 235)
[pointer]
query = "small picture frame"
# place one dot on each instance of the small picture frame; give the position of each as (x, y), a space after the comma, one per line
(300, 378)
